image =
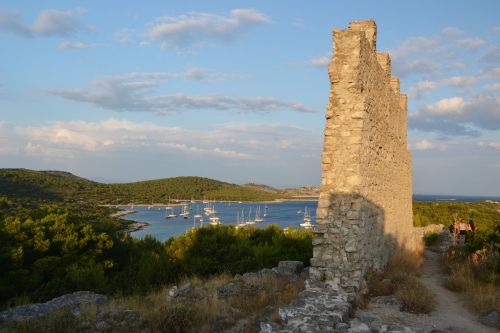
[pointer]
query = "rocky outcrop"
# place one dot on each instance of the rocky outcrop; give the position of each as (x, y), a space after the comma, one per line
(37, 310)
(250, 283)
(314, 310)
(491, 319)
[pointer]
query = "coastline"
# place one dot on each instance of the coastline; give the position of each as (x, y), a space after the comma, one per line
(121, 213)
(135, 225)
(187, 202)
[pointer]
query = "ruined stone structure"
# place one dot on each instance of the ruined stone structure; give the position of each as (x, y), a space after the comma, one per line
(365, 206)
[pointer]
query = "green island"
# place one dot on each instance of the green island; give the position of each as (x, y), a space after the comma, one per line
(55, 238)
(58, 186)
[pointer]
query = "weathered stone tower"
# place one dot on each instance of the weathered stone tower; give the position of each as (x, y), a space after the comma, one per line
(365, 206)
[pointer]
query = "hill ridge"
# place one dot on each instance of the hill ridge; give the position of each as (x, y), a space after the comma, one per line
(54, 185)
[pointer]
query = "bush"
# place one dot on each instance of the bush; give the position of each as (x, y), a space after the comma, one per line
(414, 296)
(177, 319)
(431, 238)
(476, 276)
(378, 284)
(401, 279)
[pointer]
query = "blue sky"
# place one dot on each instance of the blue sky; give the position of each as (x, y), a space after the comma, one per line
(236, 90)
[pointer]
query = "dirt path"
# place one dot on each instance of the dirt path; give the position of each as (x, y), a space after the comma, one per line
(450, 313)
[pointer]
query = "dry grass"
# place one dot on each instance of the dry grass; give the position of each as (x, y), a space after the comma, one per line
(481, 296)
(401, 279)
(415, 297)
(404, 262)
(200, 311)
(58, 322)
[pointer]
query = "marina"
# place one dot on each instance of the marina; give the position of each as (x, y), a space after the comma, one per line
(174, 220)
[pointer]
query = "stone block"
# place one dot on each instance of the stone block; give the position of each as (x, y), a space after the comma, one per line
(384, 60)
(290, 267)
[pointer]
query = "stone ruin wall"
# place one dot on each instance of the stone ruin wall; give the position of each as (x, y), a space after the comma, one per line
(365, 205)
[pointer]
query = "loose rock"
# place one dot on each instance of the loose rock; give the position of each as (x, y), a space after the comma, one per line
(38, 310)
(492, 319)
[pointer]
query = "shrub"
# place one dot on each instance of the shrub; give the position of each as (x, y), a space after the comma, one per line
(61, 321)
(378, 285)
(431, 238)
(475, 276)
(401, 279)
(414, 296)
(176, 319)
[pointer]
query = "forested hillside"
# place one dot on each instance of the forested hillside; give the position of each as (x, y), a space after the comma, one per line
(49, 186)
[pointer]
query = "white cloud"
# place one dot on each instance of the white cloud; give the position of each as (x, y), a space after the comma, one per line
(424, 144)
(446, 106)
(492, 86)
(490, 144)
(459, 117)
(414, 45)
(124, 36)
(299, 23)
(79, 46)
(421, 66)
(320, 61)
(10, 22)
(50, 22)
(133, 92)
(459, 81)
(67, 139)
(490, 73)
(56, 22)
(421, 145)
(431, 56)
(452, 32)
(492, 55)
(421, 87)
(196, 27)
(471, 43)
(462, 82)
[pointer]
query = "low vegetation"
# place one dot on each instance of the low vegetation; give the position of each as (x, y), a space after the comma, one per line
(401, 279)
(476, 275)
(199, 311)
(474, 269)
(484, 214)
(431, 238)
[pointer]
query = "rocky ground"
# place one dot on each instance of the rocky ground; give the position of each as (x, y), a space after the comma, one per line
(382, 314)
(316, 309)
(232, 305)
(321, 310)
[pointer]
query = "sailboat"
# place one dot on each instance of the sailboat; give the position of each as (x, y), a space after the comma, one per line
(257, 215)
(240, 222)
(249, 221)
(307, 220)
(185, 212)
(209, 210)
(265, 210)
(169, 213)
(214, 220)
(198, 215)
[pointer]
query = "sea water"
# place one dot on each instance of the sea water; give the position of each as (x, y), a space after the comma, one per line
(285, 214)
